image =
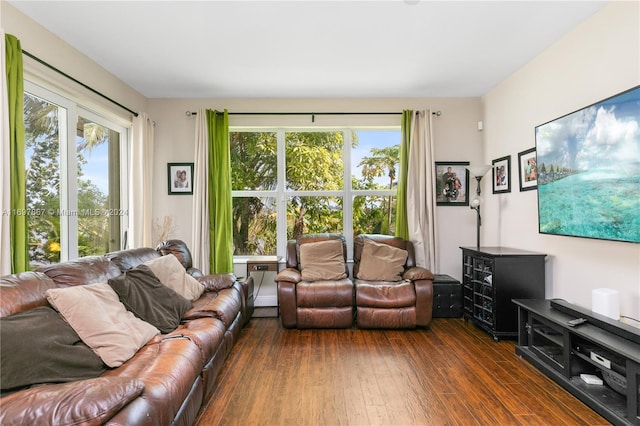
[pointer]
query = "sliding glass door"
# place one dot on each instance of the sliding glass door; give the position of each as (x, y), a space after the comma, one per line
(76, 169)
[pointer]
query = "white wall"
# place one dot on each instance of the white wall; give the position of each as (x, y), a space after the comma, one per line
(596, 60)
(48, 47)
(455, 132)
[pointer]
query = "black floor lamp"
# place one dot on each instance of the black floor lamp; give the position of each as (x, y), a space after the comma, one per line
(477, 172)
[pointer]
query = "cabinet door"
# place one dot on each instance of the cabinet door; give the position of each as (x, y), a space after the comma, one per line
(548, 342)
(483, 300)
(633, 391)
(467, 284)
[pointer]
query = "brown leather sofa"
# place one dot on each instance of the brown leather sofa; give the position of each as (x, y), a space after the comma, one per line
(318, 303)
(403, 303)
(166, 382)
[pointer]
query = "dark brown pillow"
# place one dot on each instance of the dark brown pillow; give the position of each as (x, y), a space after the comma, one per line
(39, 346)
(142, 293)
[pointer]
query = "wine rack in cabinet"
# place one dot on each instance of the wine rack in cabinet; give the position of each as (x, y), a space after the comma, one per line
(492, 277)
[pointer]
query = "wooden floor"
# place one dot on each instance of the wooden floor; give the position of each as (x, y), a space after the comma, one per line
(449, 374)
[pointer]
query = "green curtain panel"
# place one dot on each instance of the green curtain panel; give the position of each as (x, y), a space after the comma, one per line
(15, 89)
(219, 183)
(402, 227)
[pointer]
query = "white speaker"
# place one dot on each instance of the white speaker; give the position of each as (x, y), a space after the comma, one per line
(606, 301)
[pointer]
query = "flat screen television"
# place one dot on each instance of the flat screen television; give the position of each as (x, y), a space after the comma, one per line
(588, 165)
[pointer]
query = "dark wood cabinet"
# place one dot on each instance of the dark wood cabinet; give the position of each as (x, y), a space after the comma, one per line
(597, 361)
(491, 278)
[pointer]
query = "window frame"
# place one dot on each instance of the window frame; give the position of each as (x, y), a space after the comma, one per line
(72, 109)
(281, 194)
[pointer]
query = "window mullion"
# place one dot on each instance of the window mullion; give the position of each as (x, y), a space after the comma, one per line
(347, 199)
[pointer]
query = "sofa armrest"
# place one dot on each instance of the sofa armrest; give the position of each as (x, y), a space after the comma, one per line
(216, 282)
(417, 273)
(424, 301)
(289, 274)
(87, 402)
(194, 272)
(287, 303)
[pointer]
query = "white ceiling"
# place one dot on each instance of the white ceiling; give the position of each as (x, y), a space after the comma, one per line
(310, 49)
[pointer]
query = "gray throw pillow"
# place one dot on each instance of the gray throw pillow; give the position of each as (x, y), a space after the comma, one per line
(142, 293)
(39, 346)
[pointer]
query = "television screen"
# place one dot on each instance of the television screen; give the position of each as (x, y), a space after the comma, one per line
(588, 165)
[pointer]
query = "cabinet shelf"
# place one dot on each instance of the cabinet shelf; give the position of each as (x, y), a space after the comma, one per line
(550, 334)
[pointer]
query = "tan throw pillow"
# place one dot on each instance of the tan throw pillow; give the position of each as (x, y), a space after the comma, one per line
(171, 273)
(381, 262)
(101, 321)
(323, 260)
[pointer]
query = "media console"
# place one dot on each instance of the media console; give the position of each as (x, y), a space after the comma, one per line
(598, 361)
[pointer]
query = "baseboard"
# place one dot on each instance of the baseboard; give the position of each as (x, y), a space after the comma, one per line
(265, 312)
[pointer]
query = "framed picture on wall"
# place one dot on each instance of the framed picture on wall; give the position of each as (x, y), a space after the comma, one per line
(501, 174)
(180, 178)
(528, 170)
(452, 183)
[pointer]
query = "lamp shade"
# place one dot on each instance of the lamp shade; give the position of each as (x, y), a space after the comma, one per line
(478, 171)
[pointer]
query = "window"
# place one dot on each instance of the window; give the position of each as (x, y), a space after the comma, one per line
(76, 205)
(289, 182)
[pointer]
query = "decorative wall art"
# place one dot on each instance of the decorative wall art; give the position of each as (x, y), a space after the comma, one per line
(501, 175)
(452, 183)
(180, 178)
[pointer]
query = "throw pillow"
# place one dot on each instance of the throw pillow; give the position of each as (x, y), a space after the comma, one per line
(89, 402)
(323, 260)
(171, 273)
(101, 321)
(38, 346)
(381, 262)
(142, 293)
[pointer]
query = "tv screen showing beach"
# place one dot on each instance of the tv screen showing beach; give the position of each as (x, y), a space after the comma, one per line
(588, 165)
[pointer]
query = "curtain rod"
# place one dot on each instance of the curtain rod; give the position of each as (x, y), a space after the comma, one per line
(313, 114)
(35, 58)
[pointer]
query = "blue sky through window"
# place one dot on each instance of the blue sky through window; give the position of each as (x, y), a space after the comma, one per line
(368, 139)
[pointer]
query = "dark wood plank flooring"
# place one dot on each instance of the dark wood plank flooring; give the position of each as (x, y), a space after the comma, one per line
(449, 374)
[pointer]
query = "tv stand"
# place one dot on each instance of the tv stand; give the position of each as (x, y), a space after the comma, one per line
(599, 347)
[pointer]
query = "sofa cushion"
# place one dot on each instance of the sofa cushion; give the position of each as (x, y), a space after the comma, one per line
(142, 293)
(169, 367)
(24, 291)
(87, 402)
(223, 305)
(216, 282)
(39, 346)
(385, 294)
(129, 259)
(85, 270)
(171, 273)
(101, 321)
(381, 262)
(323, 260)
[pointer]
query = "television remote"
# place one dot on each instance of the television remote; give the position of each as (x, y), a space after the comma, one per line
(577, 321)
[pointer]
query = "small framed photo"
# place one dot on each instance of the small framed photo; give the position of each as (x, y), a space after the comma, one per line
(452, 183)
(528, 169)
(180, 178)
(502, 175)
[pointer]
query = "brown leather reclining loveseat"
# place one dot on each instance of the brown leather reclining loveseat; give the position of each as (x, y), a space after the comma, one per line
(166, 381)
(388, 290)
